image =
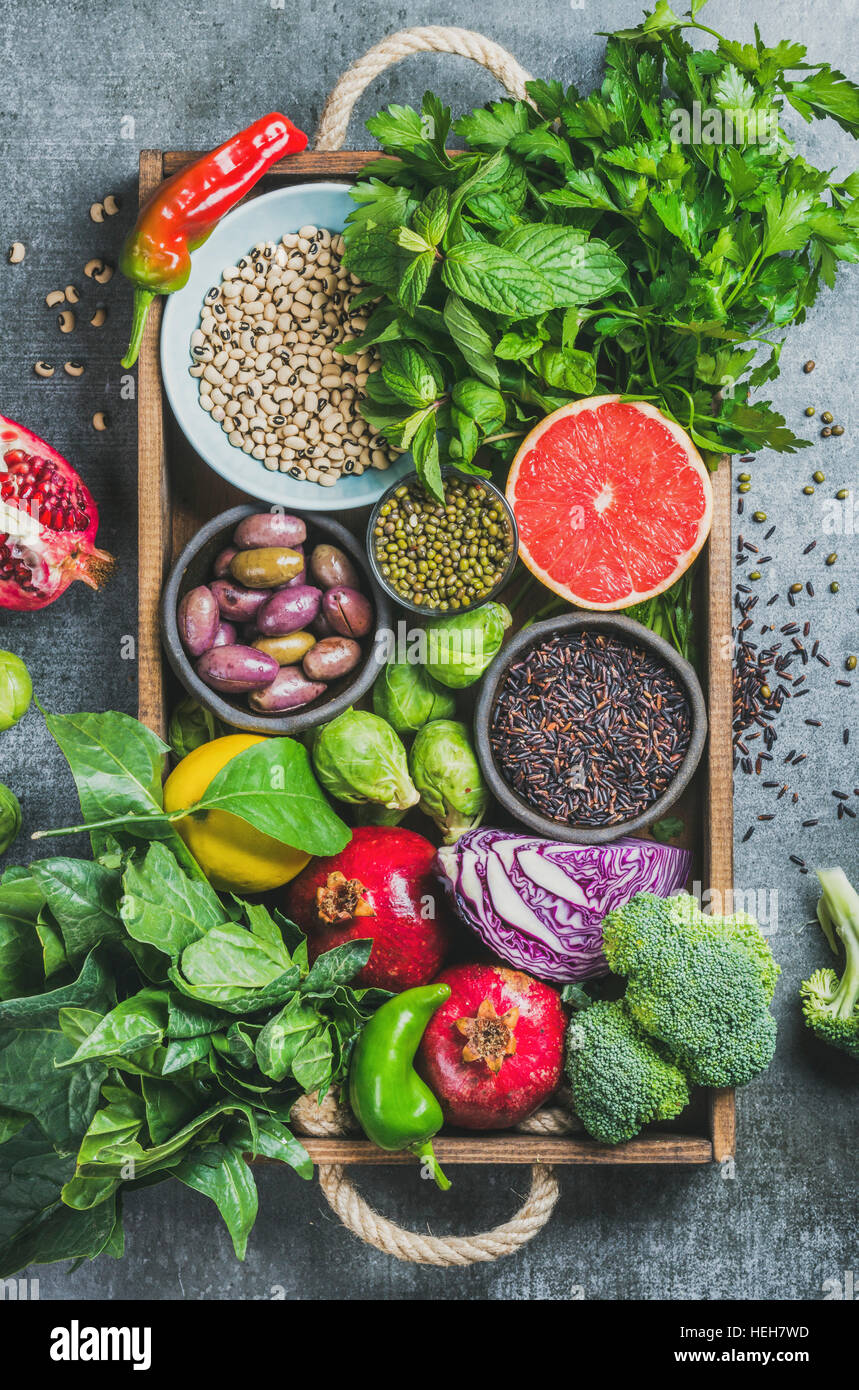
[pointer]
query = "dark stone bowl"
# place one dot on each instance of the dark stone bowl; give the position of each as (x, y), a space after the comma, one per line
(194, 566)
(632, 633)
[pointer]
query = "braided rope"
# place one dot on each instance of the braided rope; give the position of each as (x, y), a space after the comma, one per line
(377, 1230)
(434, 38)
(333, 1117)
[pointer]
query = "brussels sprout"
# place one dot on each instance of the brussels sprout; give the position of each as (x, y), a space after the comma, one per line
(407, 696)
(460, 649)
(448, 778)
(16, 689)
(10, 817)
(191, 726)
(359, 758)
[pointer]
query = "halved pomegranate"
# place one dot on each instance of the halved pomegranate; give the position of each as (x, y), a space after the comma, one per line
(48, 523)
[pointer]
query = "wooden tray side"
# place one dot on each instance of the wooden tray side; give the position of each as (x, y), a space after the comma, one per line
(718, 780)
(153, 500)
(164, 525)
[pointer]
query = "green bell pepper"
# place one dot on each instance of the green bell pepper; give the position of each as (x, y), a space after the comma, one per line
(394, 1107)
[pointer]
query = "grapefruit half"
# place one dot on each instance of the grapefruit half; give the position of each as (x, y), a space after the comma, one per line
(612, 500)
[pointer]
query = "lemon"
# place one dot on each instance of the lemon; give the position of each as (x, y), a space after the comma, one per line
(233, 855)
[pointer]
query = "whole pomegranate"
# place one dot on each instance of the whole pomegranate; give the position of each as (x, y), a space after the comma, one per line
(494, 1052)
(48, 523)
(380, 886)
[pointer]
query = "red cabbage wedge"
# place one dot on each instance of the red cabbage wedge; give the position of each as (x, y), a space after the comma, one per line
(539, 904)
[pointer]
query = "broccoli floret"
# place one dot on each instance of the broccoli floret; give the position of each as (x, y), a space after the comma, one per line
(702, 985)
(830, 1005)
(619, 1078)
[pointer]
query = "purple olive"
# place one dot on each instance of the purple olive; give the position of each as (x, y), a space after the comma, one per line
(197, 618)
(226, 635)
(265, 529)
(221, 566)
(320, 627)
(348, 611)
(331, 658)
(236, 669)
(288, 610)
(289, 690)
(330, 566)
(238, 604)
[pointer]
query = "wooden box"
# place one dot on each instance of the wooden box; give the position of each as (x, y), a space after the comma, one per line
(177, 493)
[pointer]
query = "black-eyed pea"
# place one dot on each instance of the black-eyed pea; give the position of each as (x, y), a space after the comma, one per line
(55, 297)
(45, 369)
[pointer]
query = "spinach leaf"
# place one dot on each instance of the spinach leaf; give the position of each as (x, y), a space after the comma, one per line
(82, 897)
(162, 906)
(271, 785)
(221, 1173)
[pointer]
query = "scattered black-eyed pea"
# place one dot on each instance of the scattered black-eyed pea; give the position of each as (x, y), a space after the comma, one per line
(111, 205)
(73, 368)
(100, 421)
(66, 321)
(44, 368)
(17, 252)
(55, 297)
(99, 317)
(96, 212)
(72, 295)
(92, 266)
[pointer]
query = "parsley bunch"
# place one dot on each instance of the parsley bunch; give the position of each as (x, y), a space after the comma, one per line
(581, 245)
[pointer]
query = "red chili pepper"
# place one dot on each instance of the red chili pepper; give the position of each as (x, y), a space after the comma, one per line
(183, 211)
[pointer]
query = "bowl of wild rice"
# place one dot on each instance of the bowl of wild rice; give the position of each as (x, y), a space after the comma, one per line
(250, 360)
(589, 727)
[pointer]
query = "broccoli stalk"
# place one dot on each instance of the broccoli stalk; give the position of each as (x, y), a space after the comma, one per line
(830, 1005)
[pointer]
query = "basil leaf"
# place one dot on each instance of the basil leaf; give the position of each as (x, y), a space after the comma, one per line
(252, 786)
(496, 279)
(132, 1024)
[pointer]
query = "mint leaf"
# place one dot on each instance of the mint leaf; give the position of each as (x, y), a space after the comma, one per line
(496, 279)
(471, 338)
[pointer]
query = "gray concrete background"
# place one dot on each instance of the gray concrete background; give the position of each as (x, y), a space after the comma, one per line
(188, 75)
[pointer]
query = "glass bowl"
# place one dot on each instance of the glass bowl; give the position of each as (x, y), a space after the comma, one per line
(423, 609)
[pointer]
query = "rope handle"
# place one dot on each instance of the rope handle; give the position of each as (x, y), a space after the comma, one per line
(333, 1118)
(433, 38)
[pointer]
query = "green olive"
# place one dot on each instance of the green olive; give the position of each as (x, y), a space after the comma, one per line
(288, 650)
(264, 569)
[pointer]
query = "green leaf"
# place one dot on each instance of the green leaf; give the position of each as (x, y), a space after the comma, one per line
(82, 897)
(163, 907)
(220, 1172)
(412, 288)
(311, 1065)
(668, 829)
(431, 218)
(412, 373)
(336, 967)
(231, 957)
(786, 221)
(21, 968)
(494, 126)
(132, 1024)
(116, 763)
(483, 403)
(283, 1036)
(570, 370)
(471, 338)
(827, 93)
(496, 279)
(424, 445)
(578, 271)
(271, 785)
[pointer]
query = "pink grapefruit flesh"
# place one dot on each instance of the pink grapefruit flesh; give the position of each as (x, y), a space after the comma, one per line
(612, 500)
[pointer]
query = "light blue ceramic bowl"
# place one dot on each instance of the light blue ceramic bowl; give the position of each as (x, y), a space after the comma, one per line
(261, 219)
